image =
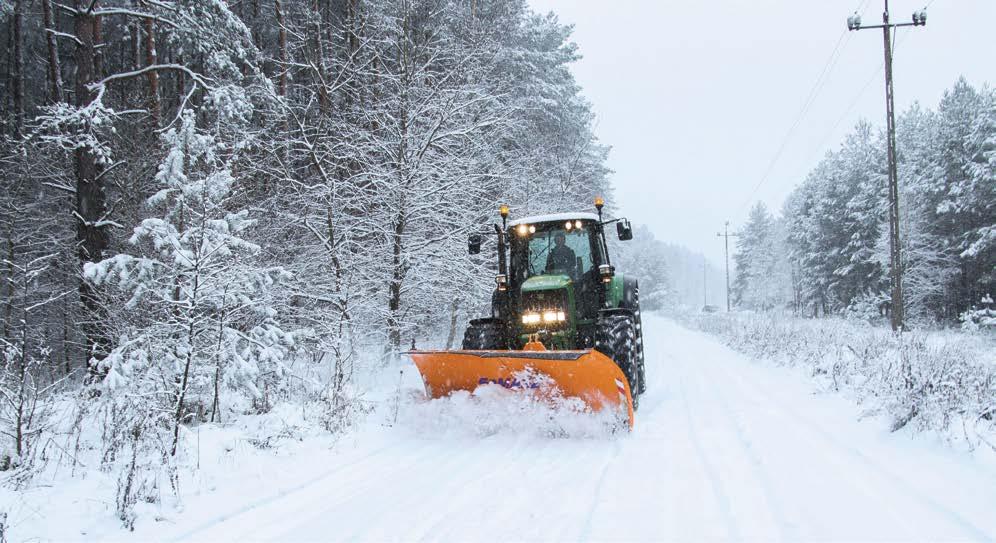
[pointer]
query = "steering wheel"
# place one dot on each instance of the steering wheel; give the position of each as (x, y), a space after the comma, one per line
(539, 255)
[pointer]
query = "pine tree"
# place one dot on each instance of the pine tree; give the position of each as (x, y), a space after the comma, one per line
(204, 317)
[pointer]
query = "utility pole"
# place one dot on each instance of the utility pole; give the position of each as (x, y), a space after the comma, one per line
(896, 316)
(705, 299)
(726, 234)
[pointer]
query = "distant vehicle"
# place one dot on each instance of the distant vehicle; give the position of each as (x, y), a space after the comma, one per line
(710, 308)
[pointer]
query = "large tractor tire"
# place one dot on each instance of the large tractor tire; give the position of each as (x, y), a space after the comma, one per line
(485, 335)
(616, 338)
(631, 301)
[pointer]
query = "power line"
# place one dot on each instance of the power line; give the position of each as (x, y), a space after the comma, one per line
(847, 112)
(814, 92)
(854, 102)
(817, 86)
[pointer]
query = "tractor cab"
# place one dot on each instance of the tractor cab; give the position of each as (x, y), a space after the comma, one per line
(554, 270)
(555, 277)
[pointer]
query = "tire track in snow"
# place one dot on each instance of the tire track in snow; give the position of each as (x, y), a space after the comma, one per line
(416, 489)
(464, 478)
(807, 425)
(757, 464)
(746, 383)
(599, 485)
(363, 483)
(650, 407)
(467, 488)
(558, 475)
(657, 391)
(284, 493)
(722, 500)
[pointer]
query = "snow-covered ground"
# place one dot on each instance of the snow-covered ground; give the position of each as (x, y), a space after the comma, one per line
(724, 448)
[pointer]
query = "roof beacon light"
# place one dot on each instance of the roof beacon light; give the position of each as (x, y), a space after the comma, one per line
(599, 202)
(503, 210)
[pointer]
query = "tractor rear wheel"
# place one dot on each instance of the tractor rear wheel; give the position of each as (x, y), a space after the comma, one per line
(639, 342)
(616, 338)
(485, 335)
(631, 301)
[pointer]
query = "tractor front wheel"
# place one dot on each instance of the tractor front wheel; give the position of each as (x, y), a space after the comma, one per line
(616, 338)
(485, 335)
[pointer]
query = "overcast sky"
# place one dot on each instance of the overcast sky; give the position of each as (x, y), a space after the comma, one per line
(696, 98)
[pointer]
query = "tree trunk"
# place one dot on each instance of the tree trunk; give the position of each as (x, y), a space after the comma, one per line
(135, 28)
(215, 402)
(54, 69)
(8, 311)
(17, 74)
(397, 277)
(185, 380)
(98, 46)
(66, 359)
(453, 324)
(254, 26)
(181, 395)
(181, 81)
(151, 59)
(22, 370)
(323, 94)
(281, 47)
(91, 238)
(352, 39)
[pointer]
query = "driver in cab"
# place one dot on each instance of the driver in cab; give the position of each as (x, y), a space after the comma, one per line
(561, 258)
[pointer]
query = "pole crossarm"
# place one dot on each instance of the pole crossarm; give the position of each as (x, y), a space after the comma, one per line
(890, 25)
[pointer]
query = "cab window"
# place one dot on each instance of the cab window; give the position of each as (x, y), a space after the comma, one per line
(554, 250)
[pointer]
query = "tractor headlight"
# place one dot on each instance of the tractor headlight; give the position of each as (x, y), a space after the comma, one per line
(530, 318)
(549, 316)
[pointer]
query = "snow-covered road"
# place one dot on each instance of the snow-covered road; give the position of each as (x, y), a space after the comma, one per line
(723, 449)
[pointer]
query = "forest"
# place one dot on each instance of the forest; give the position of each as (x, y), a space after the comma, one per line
(198, 195)
(827, 251)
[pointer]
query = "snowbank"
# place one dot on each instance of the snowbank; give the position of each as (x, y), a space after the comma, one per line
(943, 381)
(105, 480)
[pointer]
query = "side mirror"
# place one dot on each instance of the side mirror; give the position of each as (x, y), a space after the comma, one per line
(474, 244)
(624, 229)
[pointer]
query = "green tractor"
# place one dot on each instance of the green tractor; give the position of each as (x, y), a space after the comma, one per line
(556, 286)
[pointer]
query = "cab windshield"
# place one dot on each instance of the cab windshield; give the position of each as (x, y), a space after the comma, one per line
(553, 249)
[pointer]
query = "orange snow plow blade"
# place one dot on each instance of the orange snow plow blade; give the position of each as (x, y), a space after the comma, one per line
(588, 375)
